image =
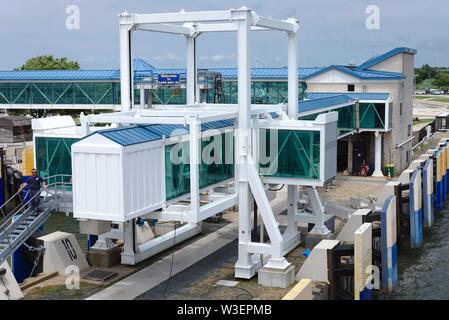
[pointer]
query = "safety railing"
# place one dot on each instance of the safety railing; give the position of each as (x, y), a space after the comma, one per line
(57, 186)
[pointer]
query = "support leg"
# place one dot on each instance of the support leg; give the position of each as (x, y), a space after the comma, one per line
(378, 156)
(318, 211)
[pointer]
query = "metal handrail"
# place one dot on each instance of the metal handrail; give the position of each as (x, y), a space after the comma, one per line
(10, 199)
(8, 219)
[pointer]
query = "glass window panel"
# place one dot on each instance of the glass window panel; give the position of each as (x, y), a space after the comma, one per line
(295, 154)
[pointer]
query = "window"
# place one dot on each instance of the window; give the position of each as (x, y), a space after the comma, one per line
(407, 156)
(351, 87)
(409, 130)
(400, 109)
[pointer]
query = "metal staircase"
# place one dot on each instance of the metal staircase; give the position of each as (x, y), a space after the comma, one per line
(22, 222)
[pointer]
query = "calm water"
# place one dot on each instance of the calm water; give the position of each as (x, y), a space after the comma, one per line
(424, 272)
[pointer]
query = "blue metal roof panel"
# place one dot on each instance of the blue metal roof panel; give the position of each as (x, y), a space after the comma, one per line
(217, 124)
(141, 65)
(355, 95)
(324, 103)
(59, 75)
(147, 133)
(360, 74)
(264, 73)
(130, 135)
(380, 58)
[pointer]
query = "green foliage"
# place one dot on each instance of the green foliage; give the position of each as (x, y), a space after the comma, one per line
(442, 80)
(425, 72)
(49, 62)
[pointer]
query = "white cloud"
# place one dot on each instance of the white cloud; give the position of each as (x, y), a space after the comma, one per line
(168, 57)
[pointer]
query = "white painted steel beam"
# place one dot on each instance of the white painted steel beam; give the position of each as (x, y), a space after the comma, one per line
(245, 267)
(126, 77)
(30, 106)
(191, 80)
(161, 243)
(195, 160)
(180, 17)
(273, 24)
(166, 28)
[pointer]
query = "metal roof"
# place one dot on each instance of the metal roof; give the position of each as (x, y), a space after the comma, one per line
(368, 96)
(144, 69)
(324, 103)
(359, 73)
(60, 75)
(380, 58)
(265, 73)
(146, 133)
(141, 65)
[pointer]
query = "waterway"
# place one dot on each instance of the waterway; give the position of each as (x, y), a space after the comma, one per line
(424, 272)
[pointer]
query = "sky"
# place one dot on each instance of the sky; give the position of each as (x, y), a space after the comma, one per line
(331, 32)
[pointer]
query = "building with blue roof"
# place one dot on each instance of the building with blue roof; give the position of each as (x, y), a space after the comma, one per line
(382, 87)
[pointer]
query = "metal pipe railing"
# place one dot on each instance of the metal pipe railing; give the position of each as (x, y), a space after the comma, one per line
(52, 186)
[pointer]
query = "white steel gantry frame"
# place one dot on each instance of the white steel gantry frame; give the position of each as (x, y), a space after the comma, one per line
(248, 182)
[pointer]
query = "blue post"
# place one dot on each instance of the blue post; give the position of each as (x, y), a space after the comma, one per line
(388, 242)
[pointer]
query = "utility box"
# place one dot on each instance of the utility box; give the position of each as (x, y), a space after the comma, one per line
(442, 121)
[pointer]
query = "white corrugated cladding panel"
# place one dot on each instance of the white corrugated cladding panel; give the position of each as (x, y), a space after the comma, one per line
(97, 179)
(143, 178)
(113, 182)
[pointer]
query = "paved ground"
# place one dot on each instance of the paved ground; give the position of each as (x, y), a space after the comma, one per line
(428, 109)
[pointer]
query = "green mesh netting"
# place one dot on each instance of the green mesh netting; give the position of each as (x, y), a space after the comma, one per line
(177, 173)
(60, 93)
(297, 154)
(346, 118)
(53, 156)
(372, 115)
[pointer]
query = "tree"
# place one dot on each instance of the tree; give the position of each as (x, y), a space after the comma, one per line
(49, 62)
(442, 80)
(425, 72)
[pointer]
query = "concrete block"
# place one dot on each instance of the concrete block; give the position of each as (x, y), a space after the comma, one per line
(94, 227)
(354, 222)
(277, 278)
(316, 265)
(312, 239)
(301, 291)
(104, 258)
(62, 250)
(9, 289)
(362, 261)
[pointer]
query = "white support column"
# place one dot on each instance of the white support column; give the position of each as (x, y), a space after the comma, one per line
(195, 157)
(319, 213)
(129, 240)
(378, 155)
(244, 268)
(142, 98)
(191, 80)
(293, 191)
(126, 78)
